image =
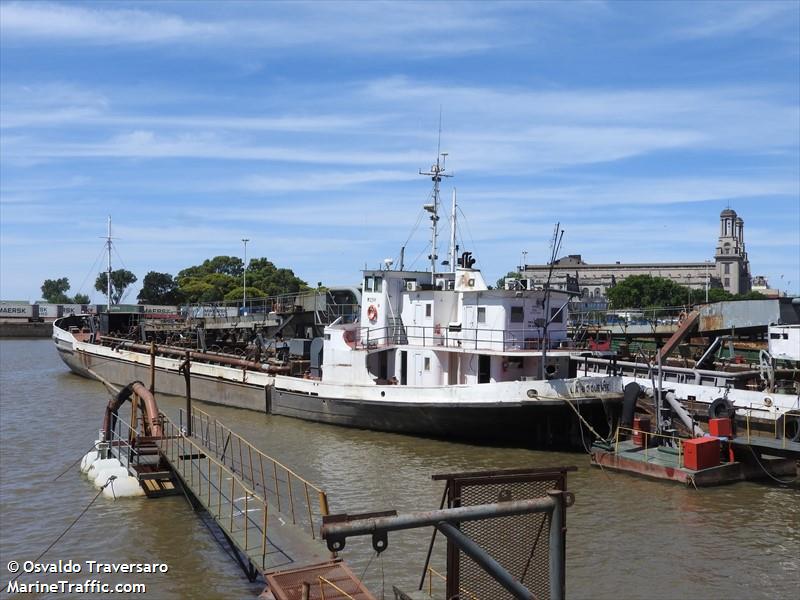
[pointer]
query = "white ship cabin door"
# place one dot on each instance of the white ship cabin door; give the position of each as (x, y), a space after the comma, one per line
(417, 369)
(469, 316)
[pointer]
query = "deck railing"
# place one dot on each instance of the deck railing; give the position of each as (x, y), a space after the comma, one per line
(292, 494)
(461, 338)
(779, 430)
(233, 504)
(676, 441)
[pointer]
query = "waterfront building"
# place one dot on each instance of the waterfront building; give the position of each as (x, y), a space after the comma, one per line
(729, 270)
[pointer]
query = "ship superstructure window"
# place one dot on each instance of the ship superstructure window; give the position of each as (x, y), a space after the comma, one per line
(427, 363)
(517, 314)
(373, 284)
(428, 309)
(481, 314)
(556, 315)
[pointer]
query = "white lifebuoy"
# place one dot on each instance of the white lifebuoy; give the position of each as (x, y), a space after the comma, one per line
(372, 313)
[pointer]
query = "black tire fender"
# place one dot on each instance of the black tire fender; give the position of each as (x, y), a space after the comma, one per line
(789, 425)
(720, 408)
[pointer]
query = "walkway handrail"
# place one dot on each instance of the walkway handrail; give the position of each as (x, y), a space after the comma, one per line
(789, 413)
(185, 456)
(228, 445)
(647, 434)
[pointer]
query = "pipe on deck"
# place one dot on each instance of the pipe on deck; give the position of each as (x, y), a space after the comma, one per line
(150, 408)
(205, 357)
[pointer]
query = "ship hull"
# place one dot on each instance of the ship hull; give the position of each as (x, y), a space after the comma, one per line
(533, 425)
(504, 413)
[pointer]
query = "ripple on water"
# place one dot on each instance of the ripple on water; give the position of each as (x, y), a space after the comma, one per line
(627, 537)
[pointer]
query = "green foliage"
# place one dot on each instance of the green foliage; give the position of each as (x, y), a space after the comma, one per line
(120, 280)
(501, 283)
(640, 291)
(235, 295)
(220, 278)
(159, 288)
(643, 291)
(55, 290)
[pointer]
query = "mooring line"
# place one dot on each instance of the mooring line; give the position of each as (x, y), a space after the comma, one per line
(70, 526)
(92, 447)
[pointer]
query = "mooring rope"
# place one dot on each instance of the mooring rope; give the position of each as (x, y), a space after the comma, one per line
(763, 468)
(71, 525)
(92, 447)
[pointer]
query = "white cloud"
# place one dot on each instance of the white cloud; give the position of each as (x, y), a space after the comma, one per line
(378, 26)
(70, 22)
(737, 18)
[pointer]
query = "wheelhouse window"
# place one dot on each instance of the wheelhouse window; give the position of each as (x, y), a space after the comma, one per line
(481, 314)
(517, 314)
(373, 284)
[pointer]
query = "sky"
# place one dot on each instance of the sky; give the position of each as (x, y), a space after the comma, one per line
(304, 126)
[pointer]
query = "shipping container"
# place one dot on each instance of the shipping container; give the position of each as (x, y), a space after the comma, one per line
(73, 309)
(155, 311)
(19, 310)
(50, 312)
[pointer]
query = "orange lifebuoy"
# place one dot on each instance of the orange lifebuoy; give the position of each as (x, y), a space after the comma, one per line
(372, 313)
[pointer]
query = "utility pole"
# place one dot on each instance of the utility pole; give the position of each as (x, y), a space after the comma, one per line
(453, 234)
(108, 272)
(244, 278)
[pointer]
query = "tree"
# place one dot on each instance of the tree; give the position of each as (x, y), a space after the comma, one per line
(55, 290)
(235, 295)
(220, 278)
(640, 291)
(120, 280)
(159, 288)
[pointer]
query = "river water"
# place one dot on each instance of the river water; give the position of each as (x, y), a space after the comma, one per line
(627, 537)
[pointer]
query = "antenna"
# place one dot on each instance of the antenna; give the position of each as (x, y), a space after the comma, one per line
(436, 173)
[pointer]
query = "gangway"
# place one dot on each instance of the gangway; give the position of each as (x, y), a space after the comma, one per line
(268, 514)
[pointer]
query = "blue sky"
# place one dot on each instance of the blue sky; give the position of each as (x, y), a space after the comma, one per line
(303, 126)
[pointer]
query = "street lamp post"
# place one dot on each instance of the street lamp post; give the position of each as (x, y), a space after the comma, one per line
(244, 278)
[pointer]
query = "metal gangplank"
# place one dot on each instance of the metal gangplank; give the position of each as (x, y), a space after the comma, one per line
(266, 512)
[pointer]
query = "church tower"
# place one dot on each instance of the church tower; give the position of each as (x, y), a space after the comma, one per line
(733, 268)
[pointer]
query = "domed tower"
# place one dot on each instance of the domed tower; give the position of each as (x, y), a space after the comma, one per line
(733, 268)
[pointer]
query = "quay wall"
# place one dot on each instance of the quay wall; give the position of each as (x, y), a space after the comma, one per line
(25, 330)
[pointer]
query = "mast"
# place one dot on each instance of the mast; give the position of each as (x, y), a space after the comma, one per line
(436, 173)
(453, 234)
(558, 235)
(108, 274)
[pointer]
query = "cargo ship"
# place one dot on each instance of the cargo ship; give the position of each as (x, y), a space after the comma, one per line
(427, 352)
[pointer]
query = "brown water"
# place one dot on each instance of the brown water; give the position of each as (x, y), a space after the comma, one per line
(627, 538)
